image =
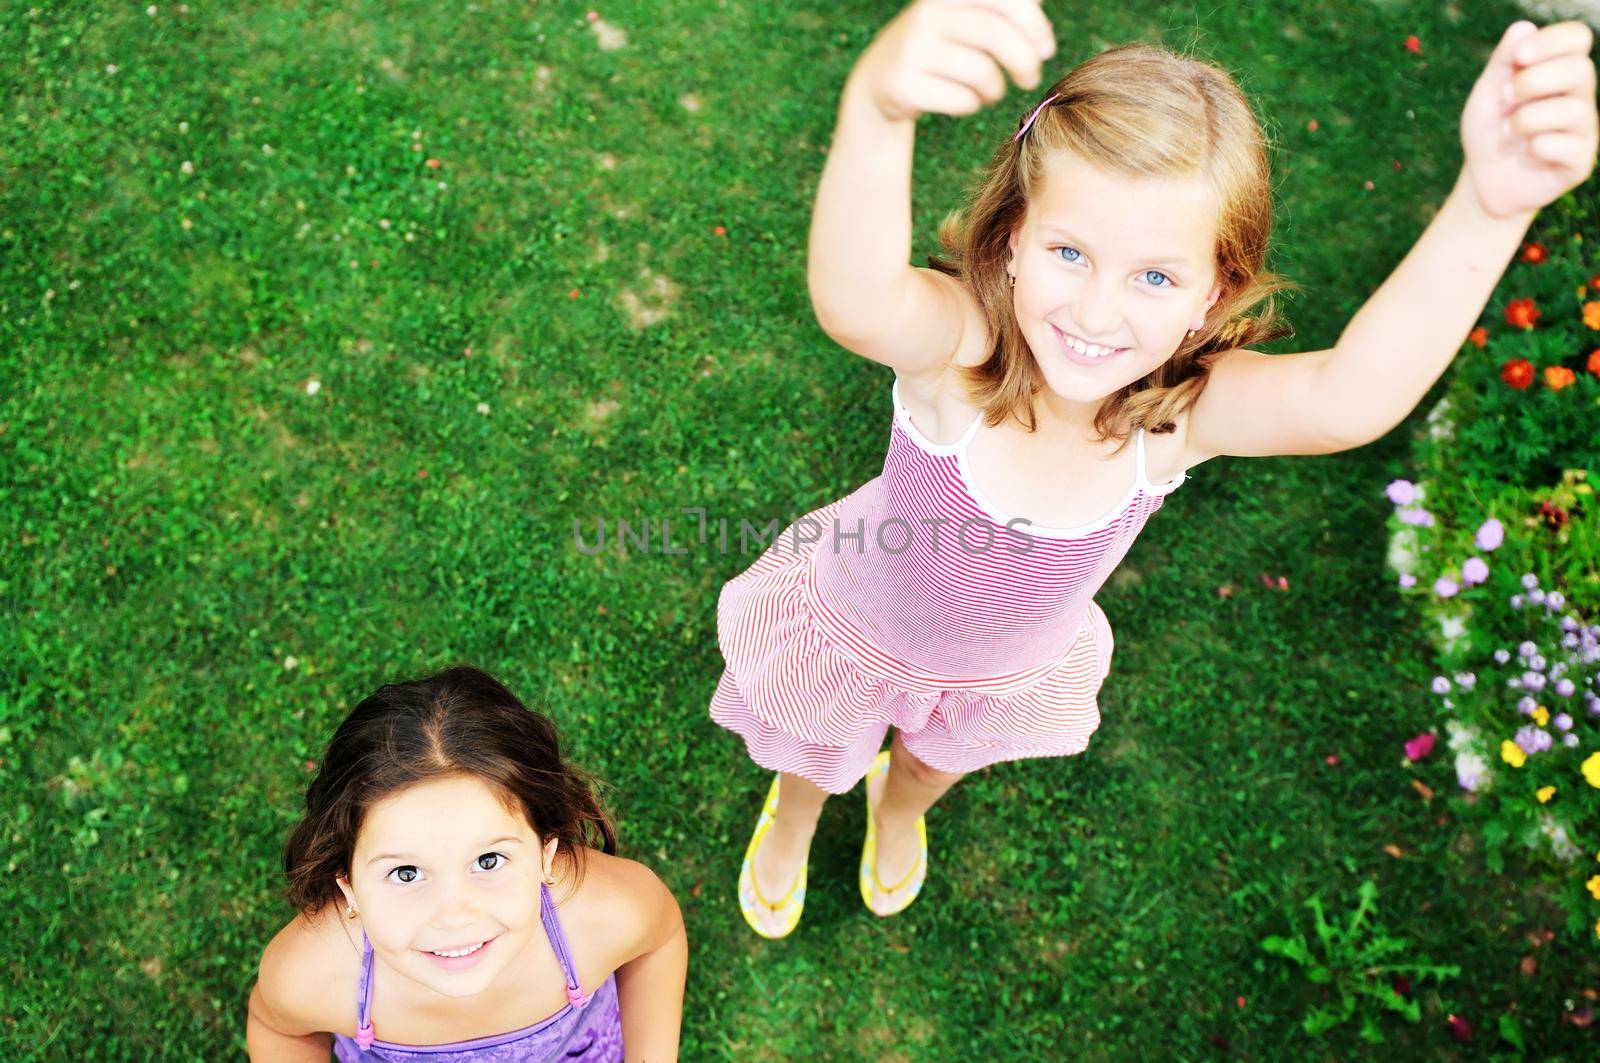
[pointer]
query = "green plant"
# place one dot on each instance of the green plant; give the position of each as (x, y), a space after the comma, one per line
(1352, 961)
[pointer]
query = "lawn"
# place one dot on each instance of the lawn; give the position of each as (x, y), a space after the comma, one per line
(323, 325)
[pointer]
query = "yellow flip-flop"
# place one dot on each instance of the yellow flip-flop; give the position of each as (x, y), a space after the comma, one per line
(869, 854)
(792, 903)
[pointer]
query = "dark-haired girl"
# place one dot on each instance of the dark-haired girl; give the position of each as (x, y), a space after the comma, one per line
(460, 898)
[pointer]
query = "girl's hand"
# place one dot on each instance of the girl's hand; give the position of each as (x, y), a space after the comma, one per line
(946, 56)
(1529, 129)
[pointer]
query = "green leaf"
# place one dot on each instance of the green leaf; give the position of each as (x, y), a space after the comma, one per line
(1511, 1031)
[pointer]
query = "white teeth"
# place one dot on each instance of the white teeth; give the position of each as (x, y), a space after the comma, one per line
(458, 952)
(1088, 350)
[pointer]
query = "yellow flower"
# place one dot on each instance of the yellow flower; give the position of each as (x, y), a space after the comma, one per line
(1590, 769)
(1594, 887)
(1541, 715)
(1544, 794)
(1513, 755)
(1591, 315)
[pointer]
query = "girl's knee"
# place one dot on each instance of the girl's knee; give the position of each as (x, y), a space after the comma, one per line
(920, 772)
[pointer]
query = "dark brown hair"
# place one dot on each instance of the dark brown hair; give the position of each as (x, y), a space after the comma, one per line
(1139, 111)
(459, 722)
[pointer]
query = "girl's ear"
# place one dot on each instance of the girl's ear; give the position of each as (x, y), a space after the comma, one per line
(551, 844)
(344, 887)
(1011, 262)
(1211, 300)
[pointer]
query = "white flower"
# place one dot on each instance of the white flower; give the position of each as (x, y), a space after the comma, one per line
(1452, 629)
(312, 387)
(1440, 426)
(111, 68)
(1459, 736)
(187, 167)
(291, 662)
(151, 11)
(1403, 551)
(1560, 844)
(1472, 770)
(483, 408)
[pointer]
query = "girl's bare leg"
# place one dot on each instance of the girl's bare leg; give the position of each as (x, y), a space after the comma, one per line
(910, 789)
(783, 851)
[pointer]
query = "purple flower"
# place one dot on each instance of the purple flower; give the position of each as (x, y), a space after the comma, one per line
(1516, 601)
(1526, 705)
(1562, 721)
(1592, 702)
(1407, 580)
(1441, 685)
(1445, 587)
(1527, 649)
(1419, 517)
(1555, 600)
(1568, 624)
(1401, 492)
(1537, 661)
(1565, 688)
(1531, 739)
(1490, 535)
(1474, 571)
(1501, 656)
(1466, 680)
(1529, 581)
(1536, 596)
(1569, 740)
(1569, 642)
(1533, 681)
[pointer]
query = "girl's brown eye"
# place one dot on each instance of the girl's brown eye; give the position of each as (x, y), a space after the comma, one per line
(489, 861)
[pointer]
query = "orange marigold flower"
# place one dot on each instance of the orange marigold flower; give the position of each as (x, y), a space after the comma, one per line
(1594, 362)
(1534, 252)
(1518, 372)
(1558, 377)
(1522, 313)
(1478, 337)
(1591, 315)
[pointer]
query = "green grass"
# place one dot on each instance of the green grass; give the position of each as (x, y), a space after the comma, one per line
(178, 516)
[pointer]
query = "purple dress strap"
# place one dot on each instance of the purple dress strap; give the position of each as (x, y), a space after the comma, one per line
(364, 1033)
(558, 941)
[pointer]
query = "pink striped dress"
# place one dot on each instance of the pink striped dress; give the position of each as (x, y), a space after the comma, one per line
(913, 602)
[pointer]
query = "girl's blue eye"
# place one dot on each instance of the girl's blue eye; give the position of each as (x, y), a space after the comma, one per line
(490, 861)
(1155, 279)
(405, 873)
(1072, 253)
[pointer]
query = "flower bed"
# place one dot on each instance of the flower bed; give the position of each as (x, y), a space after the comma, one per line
(1498, 544)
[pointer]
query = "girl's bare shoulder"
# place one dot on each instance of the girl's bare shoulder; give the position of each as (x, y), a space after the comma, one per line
(621, 909)
(310, 969)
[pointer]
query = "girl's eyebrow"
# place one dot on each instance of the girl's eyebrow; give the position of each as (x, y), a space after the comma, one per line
(1159, 260)
(405, 856)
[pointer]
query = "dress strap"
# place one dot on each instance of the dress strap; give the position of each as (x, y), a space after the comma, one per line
(558, 941)
(1144, 476)
(364, 1034)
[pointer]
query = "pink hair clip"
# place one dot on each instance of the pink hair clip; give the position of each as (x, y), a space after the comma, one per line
(1028, 121)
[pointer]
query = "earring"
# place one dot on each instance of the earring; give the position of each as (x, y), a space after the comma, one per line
(549, 879)
(350, 911)
(1013, 277)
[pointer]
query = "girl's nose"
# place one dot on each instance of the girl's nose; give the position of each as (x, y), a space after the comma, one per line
(1098, 312)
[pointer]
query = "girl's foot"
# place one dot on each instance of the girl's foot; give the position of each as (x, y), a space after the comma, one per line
(772, 879)
(894, 860)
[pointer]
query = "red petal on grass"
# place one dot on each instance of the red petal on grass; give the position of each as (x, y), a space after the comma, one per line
(720, 231)
(1414, 44)
(1312, 126)
(1239, 1001)
(434, 164)
(573, 294)
(1458, 1027)
(1332, 759)
(1420, 746)
(1528, 966)
(1394, 851)
(1422, 788)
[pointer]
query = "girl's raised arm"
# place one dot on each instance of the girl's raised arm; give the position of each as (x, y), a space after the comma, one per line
(937, 56)
(1529, 132)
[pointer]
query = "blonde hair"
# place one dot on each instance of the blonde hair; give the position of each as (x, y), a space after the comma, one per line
(1141, 112)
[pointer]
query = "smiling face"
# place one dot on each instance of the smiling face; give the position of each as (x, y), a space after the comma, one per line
(446, 880)
(1111, 273)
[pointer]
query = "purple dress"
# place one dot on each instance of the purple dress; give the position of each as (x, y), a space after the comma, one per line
(588, 1028)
